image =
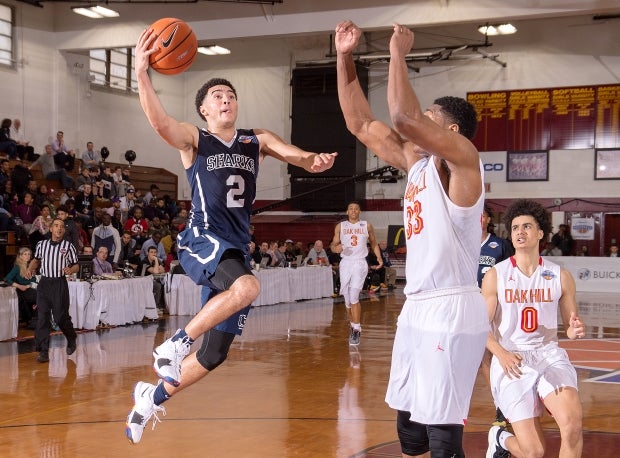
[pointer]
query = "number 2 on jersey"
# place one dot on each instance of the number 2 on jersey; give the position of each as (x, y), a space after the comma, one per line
(234, 195)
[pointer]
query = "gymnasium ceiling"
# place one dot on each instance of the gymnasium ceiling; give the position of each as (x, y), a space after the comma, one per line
(248, 26)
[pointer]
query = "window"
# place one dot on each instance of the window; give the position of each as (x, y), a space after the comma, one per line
(6, 36)
(113, 68)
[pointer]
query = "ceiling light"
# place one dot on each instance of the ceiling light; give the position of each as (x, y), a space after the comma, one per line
(213, 50)
(95, 12)
(497, 29)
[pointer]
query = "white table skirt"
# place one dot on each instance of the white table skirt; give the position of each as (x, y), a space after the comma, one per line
(9, 313)
(277, 285)
(115, 302)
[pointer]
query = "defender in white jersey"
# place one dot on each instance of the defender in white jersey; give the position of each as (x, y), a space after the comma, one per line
(351, 239)
(443, 326)
(221, 164)
(529, 371)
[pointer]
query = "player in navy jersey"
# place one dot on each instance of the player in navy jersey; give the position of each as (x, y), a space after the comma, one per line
(221, 164)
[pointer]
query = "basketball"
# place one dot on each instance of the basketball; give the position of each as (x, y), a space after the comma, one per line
(177, 46)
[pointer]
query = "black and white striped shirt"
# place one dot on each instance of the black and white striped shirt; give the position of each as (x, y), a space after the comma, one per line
(55, 256)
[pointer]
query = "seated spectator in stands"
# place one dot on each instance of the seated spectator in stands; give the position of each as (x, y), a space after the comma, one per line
(152, 194)
(128, 255)
(583, 251)
(40, 227)
(109, 190)
(44, 196)
(117, 221)
(278, 258)
(168, 239)
(26, 292)
(7, 144)
(50, 170)
(72, 233)
(101, 265)
(180, 219)
(264, 253)
(63, 156)
(171, 257)
(25, 213)
(24, 150)
(317, 255)
(389, 273)
(298, 249)
(613, 251)
(84, 178)
(84, 206)
(5, 173)
(88, 250)
(115, 204)
(152, 265)
(90, 157)
(6, 218)
(128, 202)
(551, 250)
(290, 255)
(138, 226)
(161, 211)
(255, 256)
(153, 241)
(20, 176)
(374, 271)
(66, 195)
(83, 237)
(105, 235)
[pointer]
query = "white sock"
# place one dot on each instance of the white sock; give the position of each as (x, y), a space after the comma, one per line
(356, 326)
(502, 439)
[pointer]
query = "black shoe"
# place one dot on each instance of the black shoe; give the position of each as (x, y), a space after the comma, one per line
(43, 357)
(71, 346)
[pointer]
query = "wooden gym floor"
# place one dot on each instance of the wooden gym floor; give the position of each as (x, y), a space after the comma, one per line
(291, 387)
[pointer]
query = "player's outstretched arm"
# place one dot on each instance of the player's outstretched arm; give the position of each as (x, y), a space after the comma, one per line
(272, 145)
(384, 141)
(181, 136)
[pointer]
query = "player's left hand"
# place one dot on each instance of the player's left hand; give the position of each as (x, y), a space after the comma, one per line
(577, 327)
(323, 161)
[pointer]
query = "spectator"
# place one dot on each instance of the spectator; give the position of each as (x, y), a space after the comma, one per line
(279, 256)
(252, 234)
(90, 157)
(7, 144)
(138, 226)
(583, 251)
(101, 265)
(171, 257)
(107, 236)
(25, 213)
(389, 273)
(563, 240)
(613, 250)
(20, 176)
(152, 265)
(63, 157)
(26, 294)
(50, 170)
(153, 241)
(84, 206)
(5, 172)
(71, 233)
(128, 201)
(84, 178)
(24, 150)
(67, 194)
(264, 253)
(317, 255)
(255, 256)
(40, 227)
(551, 250)
(152, 194)
(168, 239)
(127, 255)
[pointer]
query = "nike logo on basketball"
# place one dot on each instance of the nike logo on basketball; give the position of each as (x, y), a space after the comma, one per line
(166, 43)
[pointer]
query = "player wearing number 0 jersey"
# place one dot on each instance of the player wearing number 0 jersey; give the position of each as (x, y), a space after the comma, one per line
(529, 371)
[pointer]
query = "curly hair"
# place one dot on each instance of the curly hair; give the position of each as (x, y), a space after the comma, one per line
(460, 112)
(202, 92)
(528, 207)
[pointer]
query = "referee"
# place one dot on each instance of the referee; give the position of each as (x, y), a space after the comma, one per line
(57, 258)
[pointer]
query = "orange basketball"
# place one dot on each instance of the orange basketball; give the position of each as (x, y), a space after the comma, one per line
(177, 46)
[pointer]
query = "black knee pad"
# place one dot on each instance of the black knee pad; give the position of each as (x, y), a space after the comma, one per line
(446, 441)
(413, 436)
(232, 266)
(214, 349)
